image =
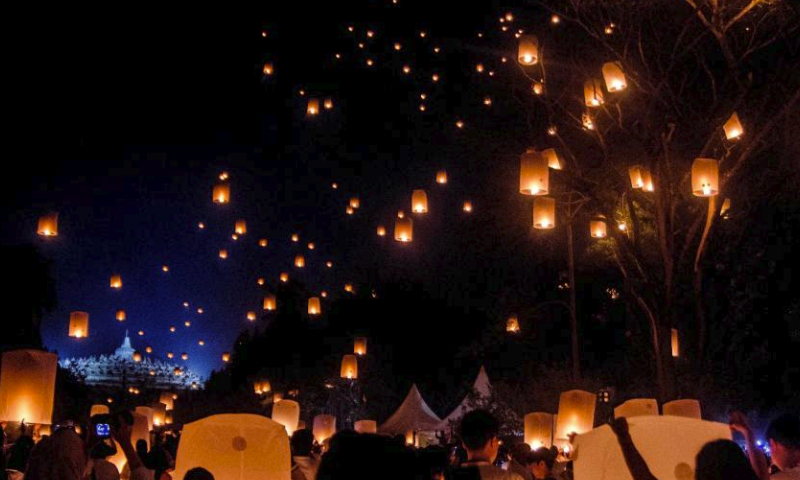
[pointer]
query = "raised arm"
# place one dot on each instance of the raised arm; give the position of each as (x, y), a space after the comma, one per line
(757, 458)
(633, 459)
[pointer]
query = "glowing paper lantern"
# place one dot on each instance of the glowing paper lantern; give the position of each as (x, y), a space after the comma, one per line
(262, 243)
(349, 367)
(593, 93)
(251, 316)
(537, 87)
(615, 79)
(441, 177)
(479, 68)
(365, 426)
(184, 356)
(636, 407)
(170, 355)
(551, 156)
(226, 357)
(223, 253)
(381, 231)
(221, 193)
(705, 177)
(676, 352)
(647, 179)
(116, 281)
(528, 53)
(597, 228)
(360, 346)
(295, 237)
(733, 128)
(299, 261)
(79, 324)
(48, 225)
(262, 387)
(240, 227)
(328, 103)
(324, 427)
(419, 201)
(269, 302)
(159, 414)
(403, 230)
(487, 101)
(287, 413)
(587, 121)
(575, 413)
(635, 172)
(149, 349)
(348, 287)
(27, 386)
(544, 213)
(313, 107)
(167, 400)
(148, 413)
(314, 306)
(467, 206)
(512, 324)
(98, 410)
(539, 429)
(284, 277)
(355, 202)
(683, 408)
(534, 175)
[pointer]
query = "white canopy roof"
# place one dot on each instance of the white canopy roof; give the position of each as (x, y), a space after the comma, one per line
(413, 414)
(481, 386)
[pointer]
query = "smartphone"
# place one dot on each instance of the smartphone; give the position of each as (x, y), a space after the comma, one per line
(103, 430)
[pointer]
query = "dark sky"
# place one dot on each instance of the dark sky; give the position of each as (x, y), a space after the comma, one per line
(125, 121)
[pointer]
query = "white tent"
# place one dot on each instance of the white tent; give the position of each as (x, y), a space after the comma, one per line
(668, 444)
(412, 415)
(481, 386)
(235, 446)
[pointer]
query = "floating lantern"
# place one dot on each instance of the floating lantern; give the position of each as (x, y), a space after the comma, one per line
(593, 92)
(149, 349)
(262, 243)
(467, 206)
(329, 264)
(552, 159)
(575, 413)
(587, 121)
(349, 210)
(295, 237)
(98, 409)
(365, 426)
(311, 246)
(223, 253)
(537, 87)
(178, 372)
(647, 179)
(349, 367)
(400, 214)
(381, 231)
(436, 49)
(79, 324)
(323, 294)
(597, 228)
(313, 107)
(403, 230)
(683, 408)
(528, 50)
(240, 227)
(355, 202)
(370, 33)
(261, 281)
(459, 124)
(441, 177)
(360, 346)
(268, 68)
(636, 407)
(187, 323)
(251, 316)
(555, 19)
(487, 100)
(419, 201)
(234, 237)
(552, 130)
(397, 46)
(726, 205)
(299, 261)
(121, 315)
(284, 277)
(226, 357)
(348, 287)
(184, 356)
(350, 28)
(287, 413)
(170, 355)
(48, 225)
(512, 324)
(422, 107)
(370, 62)
(223, 176)
(435, 77)
(159, 414)
(168, 418)
(733, 128)
(635, 172)
(705, 177)
(479, 68)
(544, 213)
(201, 225)
(116, 281)
(262, 387)
(423, 34)
(534, 176)
(269, 303)
(406, 69)
(615, 79)
(539, 430)
(314, 306)
(221, 193)
(27, 386)
(324, 427)
(141, 333)
(137, 356)
(622, 226)
(165, 268)
(674, 343)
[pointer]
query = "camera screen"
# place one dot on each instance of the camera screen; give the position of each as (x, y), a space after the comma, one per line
(103, 430)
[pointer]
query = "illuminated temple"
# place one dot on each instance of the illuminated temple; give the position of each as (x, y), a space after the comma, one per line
(120, 370)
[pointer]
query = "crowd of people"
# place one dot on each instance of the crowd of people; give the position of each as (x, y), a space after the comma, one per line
(83, 454)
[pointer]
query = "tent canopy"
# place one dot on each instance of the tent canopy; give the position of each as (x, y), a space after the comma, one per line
(481, 386)
(236, 447)
(413, 414)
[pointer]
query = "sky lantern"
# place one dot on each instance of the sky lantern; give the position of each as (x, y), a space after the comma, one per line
(268, 68)
(553, 161)
(314, 306)
(27, 386)
(355, 202)
(137, 356)
(635, 172)
(269, 302)
(400, 214)
(636, 407)
(311, 246)
(287, 413)
(705, 177)
(261, 281)
(381, 231)
(116, 281)
(141, 333)
(460, 124)
(221, 193)
(295, 237)
(647, 179)
(348, 287)
(187, 323)
(539, 430)
(159, 414)
(419, 201)
(537, 87)
(223, 253)
(593, 92)
(313, 107)
(263, 243)
(512, 324)
(262, 387)
(615, 79)
(726, 206)
(170, 355)
(201, 225)
(674, 341)
(397, 46)
(165, 268)
(360, 346)
(555, 19)
(284, 277)
(201, 342)
(148, 349)
(48, 225)
(423, 34)
(441, 177)
(79, 324)
(597, 228)
(479, 68)
(422, 107)
(349, 367)
(240, 227)
(328, 103)
(528, 50)
(544, 213)
(587, 121)
(682, 408)
(534, 175)
(406, 69)
(403, 230)
(184, 356)
(121, 316)
(234, 237)
(299, 261)
(177, 371)
(329, 264)
(733, 127)
(324, 427)
(172, 329)
(575, 413)
(435, 77)
(251, 316)
(226, 357)
(365, 426)
(349, 210)
(467, 208)
(487, 100)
